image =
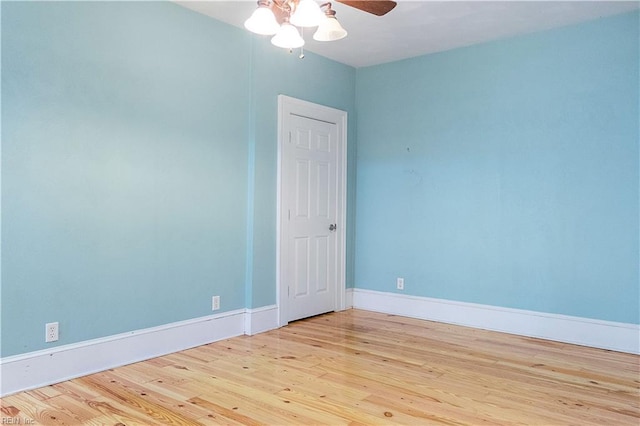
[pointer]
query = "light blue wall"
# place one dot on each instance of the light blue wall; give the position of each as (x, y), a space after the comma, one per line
(124, 168)
(128, 164)
(506, 173)
(139, 169)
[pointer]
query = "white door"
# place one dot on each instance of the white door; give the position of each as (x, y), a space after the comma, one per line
(311, 209)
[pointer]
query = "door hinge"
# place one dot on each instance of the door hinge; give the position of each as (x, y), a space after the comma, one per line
(289, 136)
(289, 215)
(288, 291)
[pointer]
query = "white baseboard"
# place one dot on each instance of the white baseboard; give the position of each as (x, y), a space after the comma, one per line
(260, 320)
(348, 298)
(610, 335)
(41, 368)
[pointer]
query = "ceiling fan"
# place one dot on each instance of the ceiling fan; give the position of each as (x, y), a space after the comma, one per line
(378, 8)
(280, 18)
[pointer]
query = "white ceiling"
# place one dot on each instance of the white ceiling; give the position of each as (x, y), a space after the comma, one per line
(416, 28)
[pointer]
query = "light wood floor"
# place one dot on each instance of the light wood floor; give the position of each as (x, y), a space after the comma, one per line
(356, 368)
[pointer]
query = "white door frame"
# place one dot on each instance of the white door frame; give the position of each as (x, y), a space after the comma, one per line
(286, 106)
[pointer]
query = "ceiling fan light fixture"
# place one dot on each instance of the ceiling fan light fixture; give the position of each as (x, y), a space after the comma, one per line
(287, 37)
(329, 29)
(307, 13)
(262, 21)
(284, 19)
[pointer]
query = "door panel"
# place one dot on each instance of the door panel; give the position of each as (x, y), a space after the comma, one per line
(311, 198)
(323, 191)
(301, 266)
(303, 186)
(323, 253)
(312, 153)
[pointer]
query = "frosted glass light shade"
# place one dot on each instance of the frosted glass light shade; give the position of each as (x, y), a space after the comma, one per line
(329, 30)
(287, 37)
(262, 21)
(307, 14)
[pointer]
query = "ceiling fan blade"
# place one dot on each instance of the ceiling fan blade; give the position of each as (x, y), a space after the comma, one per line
(375, 7)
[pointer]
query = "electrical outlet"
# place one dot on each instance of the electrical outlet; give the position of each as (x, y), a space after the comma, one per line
(400, 283)
(215, 303)
(51, 332)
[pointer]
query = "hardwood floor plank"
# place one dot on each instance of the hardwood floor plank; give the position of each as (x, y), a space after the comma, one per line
(134, 402)
(353, 368)
(47, 413)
